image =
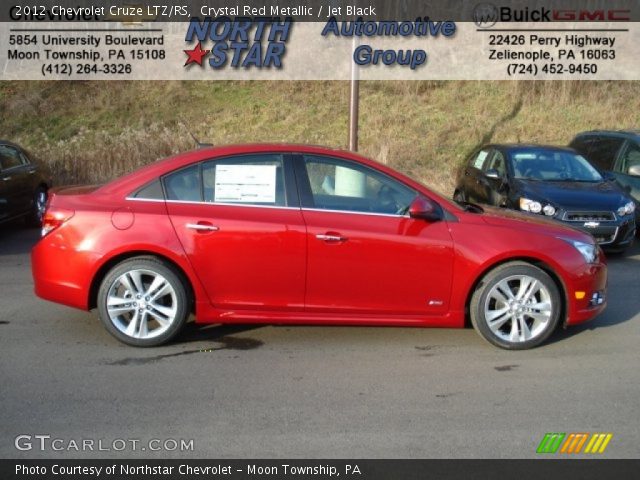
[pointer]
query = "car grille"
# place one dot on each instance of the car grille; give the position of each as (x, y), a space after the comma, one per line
(589, 216)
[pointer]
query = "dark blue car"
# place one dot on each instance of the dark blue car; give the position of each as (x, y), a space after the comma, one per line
(555, 182)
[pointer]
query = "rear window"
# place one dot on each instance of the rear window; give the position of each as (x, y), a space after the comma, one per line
(153, 191)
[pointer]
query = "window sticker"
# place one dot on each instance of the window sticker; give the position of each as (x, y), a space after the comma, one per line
(477, 163)
(245, 183)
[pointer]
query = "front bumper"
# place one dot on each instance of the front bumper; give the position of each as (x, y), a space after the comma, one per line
(616, 234)
(587, 294)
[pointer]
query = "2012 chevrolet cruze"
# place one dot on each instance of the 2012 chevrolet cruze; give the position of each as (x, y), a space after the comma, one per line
(303, 234)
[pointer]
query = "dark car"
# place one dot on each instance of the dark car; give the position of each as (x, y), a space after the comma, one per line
(554, 182)
(617, 153)
(24, 184)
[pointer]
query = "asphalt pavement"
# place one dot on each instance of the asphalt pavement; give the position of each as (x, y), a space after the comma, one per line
(307, 392)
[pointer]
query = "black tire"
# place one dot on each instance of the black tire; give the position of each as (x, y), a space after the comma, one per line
(458, 196)
(481, 301)
(37, 211)
(152, 266)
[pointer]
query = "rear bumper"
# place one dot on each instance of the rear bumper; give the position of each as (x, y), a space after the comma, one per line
(60, 274)
(590, 281)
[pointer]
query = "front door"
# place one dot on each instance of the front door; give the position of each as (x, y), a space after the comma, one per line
(365, 255)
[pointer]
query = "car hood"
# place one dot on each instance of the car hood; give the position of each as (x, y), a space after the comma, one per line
(502, 217)
(605, 196)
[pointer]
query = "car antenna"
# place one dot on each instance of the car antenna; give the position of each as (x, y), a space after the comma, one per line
(199, 144)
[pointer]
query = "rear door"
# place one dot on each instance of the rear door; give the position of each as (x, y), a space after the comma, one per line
(240, 223)
(365, 254)
(15, 191)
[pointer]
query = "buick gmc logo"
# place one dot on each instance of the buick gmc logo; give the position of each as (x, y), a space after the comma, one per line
(486, 15)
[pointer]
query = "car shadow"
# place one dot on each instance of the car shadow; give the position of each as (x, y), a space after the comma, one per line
(218, 333)
(16, 239)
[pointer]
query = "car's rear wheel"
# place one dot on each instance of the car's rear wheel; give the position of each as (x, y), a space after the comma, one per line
(143, 302)
(516, 306)
(39, 206)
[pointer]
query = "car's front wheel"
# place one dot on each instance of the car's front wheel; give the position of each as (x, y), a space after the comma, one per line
(143, 302)
(516, 306)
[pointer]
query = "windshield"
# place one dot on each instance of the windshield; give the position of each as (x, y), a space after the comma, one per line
(552, 166)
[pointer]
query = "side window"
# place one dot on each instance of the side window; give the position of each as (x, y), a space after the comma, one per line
(342, 185)
(582, 145)
(603, 152)
(497, 163)
(478, 160)
(247, 179)
(630, 157)
(10, 158)
(184, 185)
(152, 191)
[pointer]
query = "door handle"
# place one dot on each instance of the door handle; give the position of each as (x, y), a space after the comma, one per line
(202, 227)
(331, 238)
(6, 179)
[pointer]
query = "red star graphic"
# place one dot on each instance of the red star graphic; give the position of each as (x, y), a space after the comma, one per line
(195, 55)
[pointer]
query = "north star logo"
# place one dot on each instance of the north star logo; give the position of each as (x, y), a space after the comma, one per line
(243, 42)
(195, 55)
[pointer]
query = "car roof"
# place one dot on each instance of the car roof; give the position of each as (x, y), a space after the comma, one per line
(518, 146)
(135, 179)
(618, 133)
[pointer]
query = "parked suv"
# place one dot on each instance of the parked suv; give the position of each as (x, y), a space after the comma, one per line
(616, 153)
(554, 182)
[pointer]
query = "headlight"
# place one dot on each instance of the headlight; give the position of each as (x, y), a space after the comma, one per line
(589, 251)
(528, 205)
(627, 209)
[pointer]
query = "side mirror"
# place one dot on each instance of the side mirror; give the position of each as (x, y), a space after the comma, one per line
(425, 209)
(634, 171)
(493, 173)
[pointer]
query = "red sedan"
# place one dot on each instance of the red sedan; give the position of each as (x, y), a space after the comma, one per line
(302, 234)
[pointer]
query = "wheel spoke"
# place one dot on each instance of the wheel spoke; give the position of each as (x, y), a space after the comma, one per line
(513, 335)
(496, 325)
(539, 316)
(136, 277)
(164, 290)
(124, 281)
(495, 314)
(157, 283)
(540, 307)
(133, 325)
(168, 312)
(525, 333)
(143, 330)
(505, 290)
(161, 319)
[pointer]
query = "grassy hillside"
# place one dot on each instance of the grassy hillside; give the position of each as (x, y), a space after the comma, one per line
(94, 131)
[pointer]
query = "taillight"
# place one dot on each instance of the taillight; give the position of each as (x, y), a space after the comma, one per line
(53, 218)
